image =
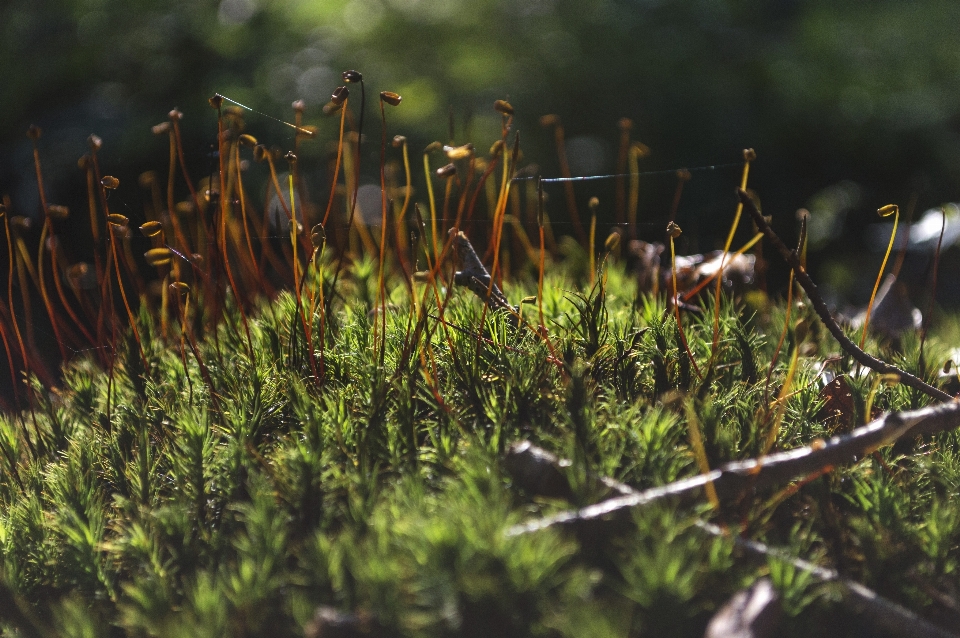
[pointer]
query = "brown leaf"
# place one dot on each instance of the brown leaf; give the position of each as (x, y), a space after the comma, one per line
(838, 410)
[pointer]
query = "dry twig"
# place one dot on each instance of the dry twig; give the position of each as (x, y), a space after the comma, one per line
(733, 479)
(823, 312)
(529, 465)
(475, 276)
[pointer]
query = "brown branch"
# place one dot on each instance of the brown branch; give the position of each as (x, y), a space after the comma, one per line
(733, 479)
(475, 276)
(823, 312)
(542, 473)
(883, 616)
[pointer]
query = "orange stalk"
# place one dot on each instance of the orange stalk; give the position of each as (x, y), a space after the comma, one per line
(13, 317)
(123, 293)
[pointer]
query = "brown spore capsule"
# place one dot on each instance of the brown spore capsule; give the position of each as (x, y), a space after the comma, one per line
(340, 94)
(77, 274)
(216, 101)
(352, 76)
(503, 107)
(158, 256)
(550, 120)
(184, 208)
(151, 228)
(458, 152)
(447, 171)
(613, 240)
(110, 182)
(889, 209)
(57, 211)
(180, 288)
(21, 224)
(318, 236)
(34, 132)
(117, 219)
(147, 179)
(391, 98)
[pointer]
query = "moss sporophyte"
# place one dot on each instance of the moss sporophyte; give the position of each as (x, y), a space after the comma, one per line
(219, 422)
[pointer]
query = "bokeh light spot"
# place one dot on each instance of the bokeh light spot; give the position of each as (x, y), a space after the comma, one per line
(236, 11)
(420, 103)
(315, 84)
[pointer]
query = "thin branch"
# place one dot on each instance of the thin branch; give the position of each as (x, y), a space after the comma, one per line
(475, 276)
(540, 472)
(734, 479)
(882, 615)
(813, 294)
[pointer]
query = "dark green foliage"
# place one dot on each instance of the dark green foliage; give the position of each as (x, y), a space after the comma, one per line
(176, 508)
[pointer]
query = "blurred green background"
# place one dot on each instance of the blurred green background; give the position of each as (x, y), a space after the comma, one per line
(849, 105)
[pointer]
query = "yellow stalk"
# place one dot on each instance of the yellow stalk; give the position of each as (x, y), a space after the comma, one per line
(293, 235)
(636, 152)
(433, 203)
(592, 242)
(696, 442)
(748, 156)
(408, 189)
(781, 404)
(783, 333)
(886, 211)
(523, 237)
(886, 379)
